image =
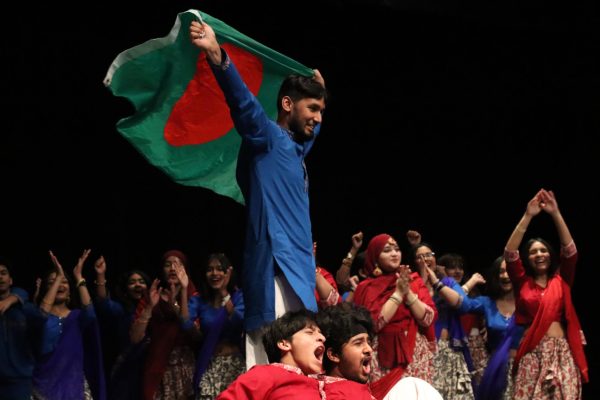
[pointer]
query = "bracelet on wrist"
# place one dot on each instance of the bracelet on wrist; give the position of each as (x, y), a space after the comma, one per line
(103, 283)
(81, 282)
(466, 289)
(519, 228)
(409, 303)
(439, 286)
(395, 299)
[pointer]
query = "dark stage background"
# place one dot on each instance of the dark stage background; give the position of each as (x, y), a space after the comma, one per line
(445, 117)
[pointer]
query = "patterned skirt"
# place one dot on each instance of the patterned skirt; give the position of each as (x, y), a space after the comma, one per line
(548, 373)
(221, 371)
(177, 382)
(451, 377)
(420, 367)
(479, 355)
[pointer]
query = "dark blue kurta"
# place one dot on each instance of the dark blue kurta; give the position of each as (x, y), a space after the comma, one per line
(273, 179)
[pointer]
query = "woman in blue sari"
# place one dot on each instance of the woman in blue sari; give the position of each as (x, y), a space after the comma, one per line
(70, 363)
(502, 335)
(221, 312)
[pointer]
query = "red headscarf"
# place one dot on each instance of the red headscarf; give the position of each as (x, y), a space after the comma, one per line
(374, 249)
(397, 339)
(166, 333)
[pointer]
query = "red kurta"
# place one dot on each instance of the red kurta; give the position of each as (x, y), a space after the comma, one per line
(273, 382)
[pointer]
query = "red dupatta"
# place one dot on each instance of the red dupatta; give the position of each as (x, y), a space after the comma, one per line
(557, 296)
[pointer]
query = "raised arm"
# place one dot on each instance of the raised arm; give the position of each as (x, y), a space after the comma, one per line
(568, 251)
(137, 330)
(548, 204)
(48, 300)
(84, 294)
(516, 237)
(100, 282)
(203, 37)
(343, 273)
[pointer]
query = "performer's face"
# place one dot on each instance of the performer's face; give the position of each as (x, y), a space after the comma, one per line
(304, 117)
(136, 286)
(306, 349)
(354, 363)
(390, 257)
(539, 257)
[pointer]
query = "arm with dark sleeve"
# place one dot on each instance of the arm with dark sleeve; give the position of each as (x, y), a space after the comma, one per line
(247, 113)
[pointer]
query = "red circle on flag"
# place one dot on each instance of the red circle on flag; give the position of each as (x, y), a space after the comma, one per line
(201, 115)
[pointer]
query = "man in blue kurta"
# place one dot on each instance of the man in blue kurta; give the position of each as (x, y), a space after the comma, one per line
(279, 266)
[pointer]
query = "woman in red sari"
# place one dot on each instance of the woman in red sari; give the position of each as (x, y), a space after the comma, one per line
(403, 311)
(550, 360)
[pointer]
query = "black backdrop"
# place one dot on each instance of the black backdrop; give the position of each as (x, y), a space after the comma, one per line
(445, 117)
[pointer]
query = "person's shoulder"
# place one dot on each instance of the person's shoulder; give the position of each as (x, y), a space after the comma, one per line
(274, 368)
(344, 388)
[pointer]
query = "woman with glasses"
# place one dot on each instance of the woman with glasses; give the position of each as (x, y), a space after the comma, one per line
(452, 361)
(550, 361)
(403, 312)
(167, 318)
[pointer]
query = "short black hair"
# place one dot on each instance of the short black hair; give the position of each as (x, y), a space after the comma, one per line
(299, 87)
(341, 322)
(283, 328)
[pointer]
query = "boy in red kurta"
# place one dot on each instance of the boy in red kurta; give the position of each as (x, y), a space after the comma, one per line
(349, 330)
(295, 347)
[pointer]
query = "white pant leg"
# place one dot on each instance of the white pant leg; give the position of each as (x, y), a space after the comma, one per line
(285, 300)
(411, 388)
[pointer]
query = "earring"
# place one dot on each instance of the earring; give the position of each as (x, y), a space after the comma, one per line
(377, 271)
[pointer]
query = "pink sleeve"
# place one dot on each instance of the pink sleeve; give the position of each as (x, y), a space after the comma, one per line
(568, 260)
(515, 269)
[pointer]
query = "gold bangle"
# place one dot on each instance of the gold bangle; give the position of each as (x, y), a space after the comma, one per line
(394, 299)
(100, 283)
(411, 302)
(81, 282)
(519, 228)
(47, 303)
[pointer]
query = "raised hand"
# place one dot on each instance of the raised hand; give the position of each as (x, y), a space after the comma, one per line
(59, 269)
(533, 206)
(226, 280)
(403, 281)
(413, 237)
(318, 77)
(548, 201)
(431, 275)
(357, 240)
(203, 37)
(100, 266)
(77, 271)
(153, 294)
(181, 274)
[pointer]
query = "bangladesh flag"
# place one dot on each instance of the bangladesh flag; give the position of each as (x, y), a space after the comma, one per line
(181, 122)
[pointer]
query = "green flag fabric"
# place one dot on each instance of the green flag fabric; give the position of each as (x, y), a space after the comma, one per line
(181, 122)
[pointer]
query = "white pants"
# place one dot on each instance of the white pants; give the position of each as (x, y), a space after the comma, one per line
(285, 300)
(411, 388)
